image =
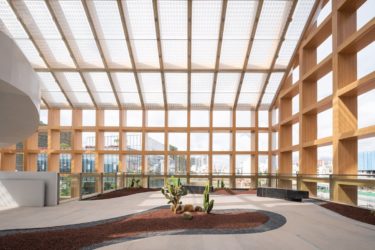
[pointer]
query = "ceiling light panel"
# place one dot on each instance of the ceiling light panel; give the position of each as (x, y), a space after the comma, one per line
(140, 19)
(226, 88)
(272, 19)
(203, 54)
(152, 90)
(206, 19)
(173, 19)
(201, 88)
(174, 54)
(176, 87)
(262, 54)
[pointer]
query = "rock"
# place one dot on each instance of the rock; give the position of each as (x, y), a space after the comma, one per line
(198, 209)
(187, 216)
(188, 208)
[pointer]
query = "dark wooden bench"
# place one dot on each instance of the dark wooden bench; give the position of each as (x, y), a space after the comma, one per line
(196, 189)
(286, 194)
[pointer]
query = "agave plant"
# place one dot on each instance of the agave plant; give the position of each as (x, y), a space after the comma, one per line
(173, 192)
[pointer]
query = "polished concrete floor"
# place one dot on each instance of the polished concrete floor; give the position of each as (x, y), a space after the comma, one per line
(308, 226)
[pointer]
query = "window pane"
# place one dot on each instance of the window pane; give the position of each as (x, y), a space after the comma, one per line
(295, 134)
(19, 161)
(155, 141)
(155, 164)
(199, 141)
(177, 141)
(222, 118)
(134, 118)
(42, 163)
(43, 140)
(364, 65)
(263, 118)
(366, 104)
(177, 118)
(295, 74)
(295, 162)
(220, 164)
(263, 164)
(65, 163)
(324, 49)
(200, 118)
(275, 140)
(325, 123)
(244, 119)
(275, 116)
(88, 140)
(364, 15)
(243, 164)
(177, 165)
(295, 104)
(111, 163)
(88, 117)
(263, 142)
(111, 140)
(324, 86)
(65, 140)
(155, 118)
(324, 12)
(88, 163)
(111, 118)
(198, 164)
(325, 155)
(66, 117)
(43, 117)
(133, 164)
(243, 141)
(221, 141)
(366, 155)
(133, 141)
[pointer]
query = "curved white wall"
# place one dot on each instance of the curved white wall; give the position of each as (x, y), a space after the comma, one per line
(19, 94)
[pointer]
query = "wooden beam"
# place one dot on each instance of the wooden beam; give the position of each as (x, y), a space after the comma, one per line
(248, 51)
(14, 9)
(53, 15)
(282, 38)
(161, 63)
(98, 45)
(128, 43)
(218, 51)
(156, 70)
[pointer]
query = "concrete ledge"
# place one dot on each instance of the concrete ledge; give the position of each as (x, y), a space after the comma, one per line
(286, 194)
(22, 193)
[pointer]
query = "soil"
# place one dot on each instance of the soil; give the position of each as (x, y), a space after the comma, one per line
(356, 213)
(234, 191)
(121, 193)
(156, 220)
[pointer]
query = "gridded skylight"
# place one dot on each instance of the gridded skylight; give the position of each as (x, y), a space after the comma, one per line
(84, 42)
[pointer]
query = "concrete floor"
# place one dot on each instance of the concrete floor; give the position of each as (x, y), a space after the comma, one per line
(308, 225)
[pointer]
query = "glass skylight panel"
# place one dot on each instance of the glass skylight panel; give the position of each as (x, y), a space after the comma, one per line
(204, 54)
(176, 86)
(324, 13)
(48, 82)
(299, 19)
(146, 53)
(126, 87)
(32, 55)
(152, 89)
(226, 88)
(201, 88)
(10, 21)
(56, 53)
(267, 100)
(55, 99)
(80, 99)
(116, 53)
(140, 19)
(206, 19)
(173, 19)
(233, 53)
(71, 81)
(174, 53)
(247, 99)
(252, 82)
(87, 53)
(285, 53)
(262, 54)
(272, 19)
(274, 82)
(105, 99)
(98, 81)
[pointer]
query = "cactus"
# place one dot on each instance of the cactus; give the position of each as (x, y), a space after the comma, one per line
(218, 184)
(132, 183)
(173, 192)
(207, 203)
(222, 183)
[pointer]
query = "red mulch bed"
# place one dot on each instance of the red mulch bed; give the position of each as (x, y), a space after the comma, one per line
(234, 191)
(121, 192)
(156, 220)
(356, 213)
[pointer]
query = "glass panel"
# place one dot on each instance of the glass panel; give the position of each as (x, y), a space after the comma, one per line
(263, 141)
(250, 89)
(88, 163)
(88, 140)
(201, 88)
(145, 53)
(43, 117)
(111, 162)
(324, 49)
(295, 134)
(198, 164)
(176, 87)
(243, 164)
(177, 164)
(275, 140)
(206, 19)
(177, 118)
(42, 163)
(65, 140)
(111, 118)
(203, 54)
(88, 117)
(295, 162)
(325, 159)
(140, 19)
(221, 141)
(42, 140)
(222, 118)
(365, 107)
(226, 88)
(199, 141)
(364, 13)
(133, 164)
(295, 74)
(174, 53)
(151, 86)
(232, 54)
(133, 141)
(243, 141)
(134, 118)
(285, 53)
(65, 163)
(295, 104)
(177, 141)
(126, 87)
(324, 86)
(324, 12)
(325, 123)
(155, 118)
(111, 140)
(220, 164)
(263, 118)
(199, 118)
(275, 116)
(155, 164)
(365, 66)
(66, 117)
(366, 155)
(262, 54)
(155, 141)
(244, 119)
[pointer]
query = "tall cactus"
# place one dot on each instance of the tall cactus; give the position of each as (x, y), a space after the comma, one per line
(173, 192)
(207, 203)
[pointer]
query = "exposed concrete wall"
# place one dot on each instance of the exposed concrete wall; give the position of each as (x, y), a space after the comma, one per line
(22, 193)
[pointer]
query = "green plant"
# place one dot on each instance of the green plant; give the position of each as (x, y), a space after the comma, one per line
(173, 192)
(222, 183)
(137, 183)
(207, 203)
(218, 184)
(132, 182)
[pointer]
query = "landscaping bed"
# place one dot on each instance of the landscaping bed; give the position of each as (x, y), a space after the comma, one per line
(133, 226)
(121, 193)
(355, 213)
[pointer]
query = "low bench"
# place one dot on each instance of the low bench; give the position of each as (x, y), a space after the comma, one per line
(196, 189)
(286, 194)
